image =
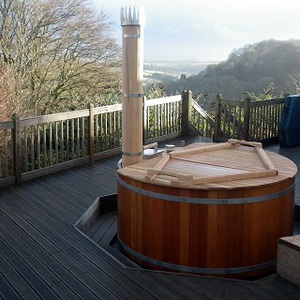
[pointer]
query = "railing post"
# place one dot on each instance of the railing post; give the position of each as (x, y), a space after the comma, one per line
(246, 118)
(145, 121)
(16, 137)
(186, 97)
(91, 136)
(217, 128)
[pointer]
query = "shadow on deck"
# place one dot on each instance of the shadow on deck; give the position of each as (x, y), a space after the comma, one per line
(43, 256)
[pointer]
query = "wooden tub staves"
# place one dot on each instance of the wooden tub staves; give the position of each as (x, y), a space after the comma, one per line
(212, 210)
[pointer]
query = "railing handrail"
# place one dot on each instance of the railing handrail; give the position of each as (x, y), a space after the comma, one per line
(150, 102)
(44, 119)
(201, 111)
(266, 102)
(6, 125)
(108, 108)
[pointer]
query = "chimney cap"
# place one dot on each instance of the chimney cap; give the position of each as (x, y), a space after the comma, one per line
(132, 16)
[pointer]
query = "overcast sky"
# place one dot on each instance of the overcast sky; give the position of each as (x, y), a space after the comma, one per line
(207, 30)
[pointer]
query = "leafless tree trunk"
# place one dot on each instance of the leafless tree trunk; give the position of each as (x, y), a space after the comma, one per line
(295, 82)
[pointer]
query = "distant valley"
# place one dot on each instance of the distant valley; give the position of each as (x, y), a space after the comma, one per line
(161, 71)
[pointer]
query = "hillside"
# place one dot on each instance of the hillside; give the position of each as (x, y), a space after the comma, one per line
(265, 67)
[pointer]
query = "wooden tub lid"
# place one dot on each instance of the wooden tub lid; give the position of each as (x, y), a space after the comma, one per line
(208, 165)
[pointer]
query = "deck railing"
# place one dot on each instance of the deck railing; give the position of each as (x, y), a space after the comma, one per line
(246, 119)
(36, 146)
(163, 118)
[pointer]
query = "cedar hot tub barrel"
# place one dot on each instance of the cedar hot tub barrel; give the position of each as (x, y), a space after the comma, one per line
(168, 220)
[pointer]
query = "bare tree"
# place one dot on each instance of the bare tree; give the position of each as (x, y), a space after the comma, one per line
(294, 82)
(60, 52)
(8, 103)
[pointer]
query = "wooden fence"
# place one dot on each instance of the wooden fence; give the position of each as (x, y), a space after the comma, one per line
(247, 120)
(36, 146)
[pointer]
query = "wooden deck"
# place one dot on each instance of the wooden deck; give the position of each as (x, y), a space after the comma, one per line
(44, 257)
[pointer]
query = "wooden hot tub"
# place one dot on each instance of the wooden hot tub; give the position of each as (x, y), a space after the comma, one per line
(213, 210)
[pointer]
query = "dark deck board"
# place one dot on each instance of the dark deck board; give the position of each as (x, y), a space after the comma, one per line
(36, 270)
(109, 222)
(65, 246)
(43, 256)
(12, 282)
(49, 260)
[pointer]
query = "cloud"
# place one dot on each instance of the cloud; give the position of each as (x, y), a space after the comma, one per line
(199, 29)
